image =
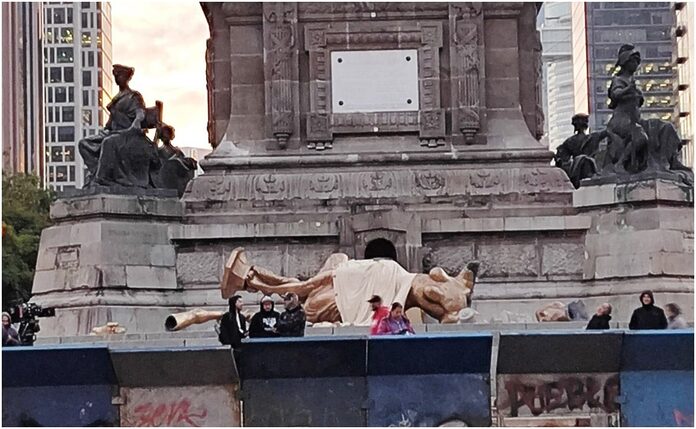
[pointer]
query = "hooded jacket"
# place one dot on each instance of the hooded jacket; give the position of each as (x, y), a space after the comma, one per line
(292, 321)
(648, 316)
(599, 322)
(232, 328)
(263, 323)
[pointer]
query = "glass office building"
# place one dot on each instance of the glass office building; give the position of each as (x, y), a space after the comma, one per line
(554, 27)
(683, 47)
(78, 84)
(606, 26)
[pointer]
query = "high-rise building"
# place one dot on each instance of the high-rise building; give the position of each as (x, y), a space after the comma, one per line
(78, 84)
(22, 126)
(554, 26)
(683, 63)
(606, 26)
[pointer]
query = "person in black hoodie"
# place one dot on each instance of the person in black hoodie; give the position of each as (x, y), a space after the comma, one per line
(649, 316)
(263, 324)
(292, 320)
(600, 320)
(233, 324)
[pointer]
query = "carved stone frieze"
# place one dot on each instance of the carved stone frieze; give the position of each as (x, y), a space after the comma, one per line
(270, 184)
(324, 183)
(430, 181)
(377, 181)
(383, 183)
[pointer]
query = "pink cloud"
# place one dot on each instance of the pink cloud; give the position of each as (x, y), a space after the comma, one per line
(165, 42)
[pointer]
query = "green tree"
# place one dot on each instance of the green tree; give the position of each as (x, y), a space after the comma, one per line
(25, 207)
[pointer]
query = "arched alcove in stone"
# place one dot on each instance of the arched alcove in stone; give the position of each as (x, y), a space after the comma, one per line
(380, 248)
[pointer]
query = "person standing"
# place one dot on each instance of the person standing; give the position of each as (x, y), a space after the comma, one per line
(291, 322)
(648, 316)
(10, 337)
(396, 323)
(233, 324)
(263, 324)
(600, 320)
(379, 312)
(675, 320)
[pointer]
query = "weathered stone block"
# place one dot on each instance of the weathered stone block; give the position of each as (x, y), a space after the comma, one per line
(148, 277)
(113, 275)
(505, 260)
(518, 224)
(452, 258)
(162, 255)
(562, 259)
(246, 39)
(270, 257)
(645, 264)
(305, 261)
(198, 267)
(630, 242)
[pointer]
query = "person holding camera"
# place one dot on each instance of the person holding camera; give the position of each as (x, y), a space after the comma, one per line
(396, 323)
(10, 337)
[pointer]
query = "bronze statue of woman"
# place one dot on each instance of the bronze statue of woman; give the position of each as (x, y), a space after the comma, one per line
(121, 153)
(627, 139)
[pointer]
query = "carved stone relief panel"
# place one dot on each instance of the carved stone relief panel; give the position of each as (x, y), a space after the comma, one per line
(466, 33)
(280, 44)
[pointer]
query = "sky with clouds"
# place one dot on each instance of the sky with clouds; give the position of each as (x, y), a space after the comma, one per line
(165, 42)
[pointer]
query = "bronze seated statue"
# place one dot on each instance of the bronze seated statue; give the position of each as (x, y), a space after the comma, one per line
(121, 154)
(634, 146)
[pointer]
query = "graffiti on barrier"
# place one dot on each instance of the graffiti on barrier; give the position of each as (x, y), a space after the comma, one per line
(682, 419)
(175, 413)
(522, 395)
(179, 406)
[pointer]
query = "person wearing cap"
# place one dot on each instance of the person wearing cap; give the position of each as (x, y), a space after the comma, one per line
(291, 322)
(379, 312)
(648, 316)
(263, 324)
(233, 324)
(396, 323)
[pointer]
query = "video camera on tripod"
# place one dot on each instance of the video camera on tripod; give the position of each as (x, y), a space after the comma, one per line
(26, 315)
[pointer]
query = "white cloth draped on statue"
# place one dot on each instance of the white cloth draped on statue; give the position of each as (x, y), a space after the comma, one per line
(356, 281)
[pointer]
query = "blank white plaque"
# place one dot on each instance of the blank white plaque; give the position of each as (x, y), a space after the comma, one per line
(374, 81)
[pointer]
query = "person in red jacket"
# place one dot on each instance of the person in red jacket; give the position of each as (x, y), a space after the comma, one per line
(379, 312)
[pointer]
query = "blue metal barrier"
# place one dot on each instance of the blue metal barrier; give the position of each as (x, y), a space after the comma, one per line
(58, 386)
(429, 380)
(304, 382)
(657, 378)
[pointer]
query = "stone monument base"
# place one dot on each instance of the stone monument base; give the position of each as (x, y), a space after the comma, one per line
(108, 258)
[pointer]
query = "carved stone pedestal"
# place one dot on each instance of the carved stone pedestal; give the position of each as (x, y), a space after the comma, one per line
(641, 237)
(108, 258)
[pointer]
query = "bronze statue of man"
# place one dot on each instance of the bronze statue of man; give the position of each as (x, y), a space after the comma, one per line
(339, 291)
(576, 154)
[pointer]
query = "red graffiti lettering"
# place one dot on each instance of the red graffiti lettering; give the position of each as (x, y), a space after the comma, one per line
(177, 413)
